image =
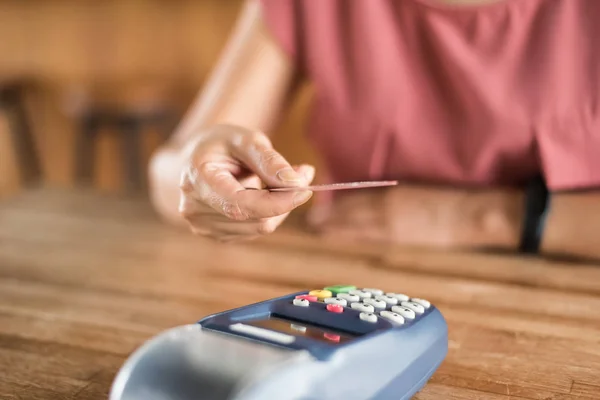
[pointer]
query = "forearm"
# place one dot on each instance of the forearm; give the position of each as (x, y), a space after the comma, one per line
(573, 226)
(455, 218)
(248, 87)
(493, 218)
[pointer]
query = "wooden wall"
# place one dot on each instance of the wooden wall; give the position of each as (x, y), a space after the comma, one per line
(67, 47)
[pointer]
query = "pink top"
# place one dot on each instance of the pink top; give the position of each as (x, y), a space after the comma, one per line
(472, 95)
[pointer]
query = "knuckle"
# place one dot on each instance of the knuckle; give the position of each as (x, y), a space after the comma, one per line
(269, 156)
(233, 211)
(258, 138)
(251, 140)
(203, 170)
(198, 180)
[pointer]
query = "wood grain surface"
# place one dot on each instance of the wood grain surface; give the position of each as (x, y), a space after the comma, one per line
(85, 279)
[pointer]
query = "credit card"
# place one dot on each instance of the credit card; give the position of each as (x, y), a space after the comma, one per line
(337, 186)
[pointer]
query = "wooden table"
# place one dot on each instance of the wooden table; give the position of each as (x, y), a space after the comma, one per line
(85, 279)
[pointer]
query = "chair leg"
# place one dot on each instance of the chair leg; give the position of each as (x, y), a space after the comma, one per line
(23, 141)
(85, 151)
(135, 180)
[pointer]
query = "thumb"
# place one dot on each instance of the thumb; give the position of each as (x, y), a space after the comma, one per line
(307, 171)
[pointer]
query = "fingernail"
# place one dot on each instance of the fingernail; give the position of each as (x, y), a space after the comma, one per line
(302, 197)
(288, 175)
(309, 174)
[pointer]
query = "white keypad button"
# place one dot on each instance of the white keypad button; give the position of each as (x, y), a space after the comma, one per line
(336, 300)
(399, 296)
(419, 309)
(378, 304)
(298, 328)
(374, 292)
(350, 298)
(368, 317)
(301, 302)
(361, 293)
(390, 301)
(392, 317)
(405, 312)
(363, 307)
(422, 302)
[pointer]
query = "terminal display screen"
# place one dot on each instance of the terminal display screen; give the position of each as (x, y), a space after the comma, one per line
(302, 329)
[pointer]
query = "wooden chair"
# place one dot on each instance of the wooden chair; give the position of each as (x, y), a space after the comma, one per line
(127, 111)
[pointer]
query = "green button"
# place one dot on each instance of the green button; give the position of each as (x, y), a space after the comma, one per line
(340, 288)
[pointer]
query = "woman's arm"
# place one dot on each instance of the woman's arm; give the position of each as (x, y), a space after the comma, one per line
(248, 87)
(438, 217)
(427, 216)
(573, 226)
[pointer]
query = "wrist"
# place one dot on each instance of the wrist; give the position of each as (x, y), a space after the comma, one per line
(164, 174)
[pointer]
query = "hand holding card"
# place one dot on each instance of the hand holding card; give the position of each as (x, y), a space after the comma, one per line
(236, 186)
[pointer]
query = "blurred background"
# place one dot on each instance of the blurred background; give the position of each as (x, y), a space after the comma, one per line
(88, 89)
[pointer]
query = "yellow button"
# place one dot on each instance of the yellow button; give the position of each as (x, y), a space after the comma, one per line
(320, 294)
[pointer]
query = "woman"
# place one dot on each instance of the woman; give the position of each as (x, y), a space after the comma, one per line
(464, 101)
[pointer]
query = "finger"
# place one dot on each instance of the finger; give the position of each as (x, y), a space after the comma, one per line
(274, 223)
(203, 226)
(227, 227)
(251, 182)
(221, 224)
(226, 237)
(236, 238)
(308, 171)
(219, 189)
(257, 153)
(203, 220)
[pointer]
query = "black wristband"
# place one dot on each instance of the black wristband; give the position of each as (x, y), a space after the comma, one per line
(537, 199)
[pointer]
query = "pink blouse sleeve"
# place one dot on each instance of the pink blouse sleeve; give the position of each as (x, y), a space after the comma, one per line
(279, 17)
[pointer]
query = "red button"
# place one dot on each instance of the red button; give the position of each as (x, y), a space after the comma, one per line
(307, 297)
(332, 337)
(335, 308)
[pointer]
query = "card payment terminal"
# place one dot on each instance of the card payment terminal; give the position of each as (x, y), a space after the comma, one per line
(339, 342)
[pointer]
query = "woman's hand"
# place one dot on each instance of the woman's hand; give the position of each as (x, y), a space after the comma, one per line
(223, 176)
